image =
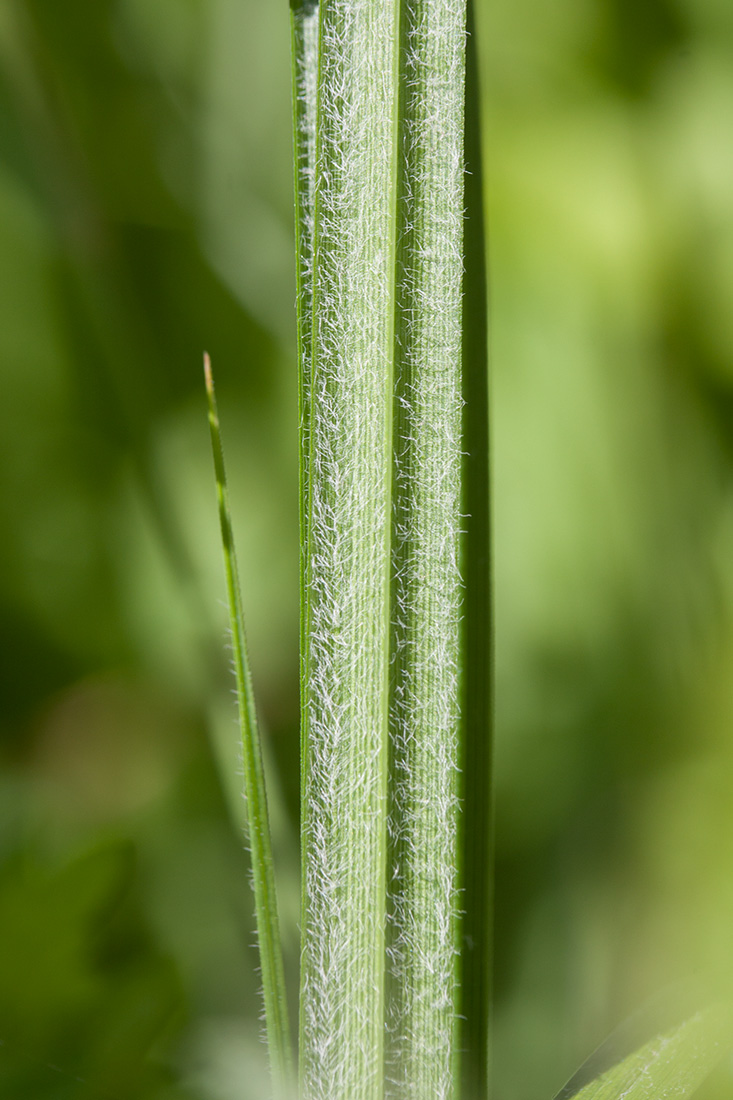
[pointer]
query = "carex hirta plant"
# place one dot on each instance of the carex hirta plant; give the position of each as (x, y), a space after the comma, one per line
(395, 609)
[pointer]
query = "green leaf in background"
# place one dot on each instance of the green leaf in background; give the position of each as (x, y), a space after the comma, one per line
(671, 1066)
(87, 997)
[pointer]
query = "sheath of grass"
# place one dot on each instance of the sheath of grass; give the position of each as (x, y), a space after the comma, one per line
(347, 569)
(379, 132)
(427, 596)
(258, 829)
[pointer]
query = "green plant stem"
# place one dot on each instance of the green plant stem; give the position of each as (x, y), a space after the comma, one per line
(427, 587)
(379, 119)
(348, 499)
(263, 880)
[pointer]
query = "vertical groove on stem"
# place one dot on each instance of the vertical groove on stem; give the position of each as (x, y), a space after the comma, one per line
(477, 643)
(304, 29)
(304, 44)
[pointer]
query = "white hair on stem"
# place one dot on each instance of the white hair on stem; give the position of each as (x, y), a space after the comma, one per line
(380, 212)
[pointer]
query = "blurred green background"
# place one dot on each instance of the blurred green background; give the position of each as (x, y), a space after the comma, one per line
(146, 215)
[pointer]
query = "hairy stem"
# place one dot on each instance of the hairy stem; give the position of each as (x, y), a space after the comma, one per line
(379, 88)
(427, 591)
(348, 498)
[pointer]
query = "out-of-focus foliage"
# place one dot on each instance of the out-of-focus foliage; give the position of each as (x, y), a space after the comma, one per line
(146, 214)
(610, 155)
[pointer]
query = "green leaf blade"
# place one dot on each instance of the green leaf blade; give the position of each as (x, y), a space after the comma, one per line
(258, 828)
(672, 1065)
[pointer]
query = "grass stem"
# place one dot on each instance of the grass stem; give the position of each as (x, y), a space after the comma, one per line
(427, 596)
(379, 93)
(348, 496)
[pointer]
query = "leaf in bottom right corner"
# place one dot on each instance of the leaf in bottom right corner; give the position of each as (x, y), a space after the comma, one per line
(672, 1065)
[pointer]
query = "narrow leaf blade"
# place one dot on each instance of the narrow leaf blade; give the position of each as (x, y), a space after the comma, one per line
(258, 828)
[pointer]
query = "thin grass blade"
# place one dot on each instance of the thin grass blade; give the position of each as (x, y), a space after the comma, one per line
(263, 877)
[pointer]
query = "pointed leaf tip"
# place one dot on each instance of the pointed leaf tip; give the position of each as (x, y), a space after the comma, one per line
(263, 878)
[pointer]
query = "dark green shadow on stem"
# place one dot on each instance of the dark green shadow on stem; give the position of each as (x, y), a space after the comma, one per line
(477, 702)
